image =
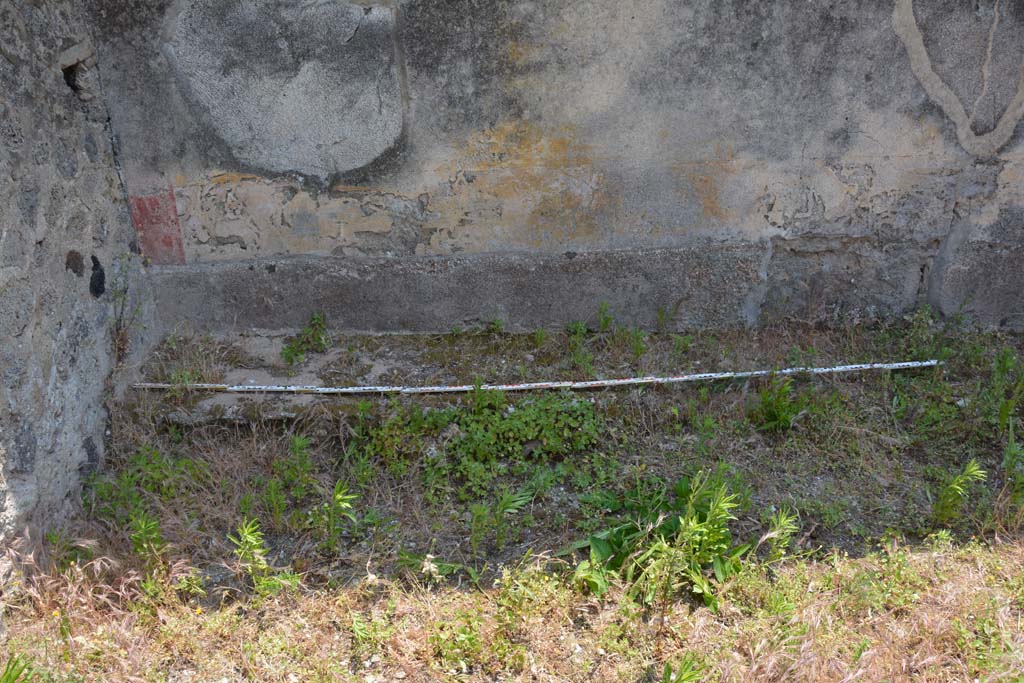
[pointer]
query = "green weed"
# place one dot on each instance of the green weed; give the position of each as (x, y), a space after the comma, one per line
(889, 583)
(577, 330)
(330, 518)
(1002, 395)
(637, 343)
(311, 339)
(275, 501)
(65, 550)
(496, 327)
(947, 507)
(296, 469)
(604, 318)
(457, 643)
(147, 474)
(778, 407)
(17, 670)
(686, 670)
(369, 636)
(664, 319)
(146, 538)
(782, 526)
(681, 345)
(669, 542)
(1013, 467)
(251, 554)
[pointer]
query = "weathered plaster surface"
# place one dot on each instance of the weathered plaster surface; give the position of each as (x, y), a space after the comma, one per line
(866, 150)
(64, 230)
(311, 87)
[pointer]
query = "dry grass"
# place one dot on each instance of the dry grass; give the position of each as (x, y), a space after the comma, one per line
(952, 614)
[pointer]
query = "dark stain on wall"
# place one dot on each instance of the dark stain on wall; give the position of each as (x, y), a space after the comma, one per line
(98, 279)
(75, 263)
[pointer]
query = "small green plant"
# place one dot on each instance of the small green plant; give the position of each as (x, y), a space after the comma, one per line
(368, 636)
(457, 643)
(429, 567)
(538, 337)
(664, 319)
(1003, 394)
(782, 526)
(251, 554)
(246, 504)
(582, 360)
(331, 517)
(125, 314)
(681, 346)
(778, 407)
(948, 506)
(249, 548)
(1013, 467)
(686, 670)
(147, 474)
(579, 357)
(189, 585)
(637, 343)
(604, 318)
(180, 381)
(577, 330)
(146, 537)
(274, 501)
(276, 582)
(496, 327)
(17, 670)
(311, 339)
(296, 469)
(65, 550)
(508, 504)
(493, 435)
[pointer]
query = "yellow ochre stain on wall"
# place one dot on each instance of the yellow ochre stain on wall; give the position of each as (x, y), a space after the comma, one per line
(532, 187)
(705, 179)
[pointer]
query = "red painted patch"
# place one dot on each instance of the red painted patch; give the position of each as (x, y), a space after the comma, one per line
(155, 218)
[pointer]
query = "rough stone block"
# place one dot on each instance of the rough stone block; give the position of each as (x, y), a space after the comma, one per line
(695, 286)
(982, 275)
(842, 281)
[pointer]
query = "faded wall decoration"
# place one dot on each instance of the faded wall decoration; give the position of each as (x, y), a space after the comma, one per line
(981, 145)
(306, 87)
(867, 157)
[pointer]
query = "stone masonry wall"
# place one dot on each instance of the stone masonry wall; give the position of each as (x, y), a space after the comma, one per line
(64, 234)
(794, 159)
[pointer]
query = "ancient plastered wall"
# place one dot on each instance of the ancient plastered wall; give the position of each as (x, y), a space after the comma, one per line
(63, 231)
(819, 160)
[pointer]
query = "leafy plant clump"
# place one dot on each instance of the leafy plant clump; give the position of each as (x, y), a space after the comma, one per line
(332, 516)
(667, 542)
(482, 441)
(312, 339)
(494, 435)
(148, 474)
(778, 406)
(251, 554)
(948, 506)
